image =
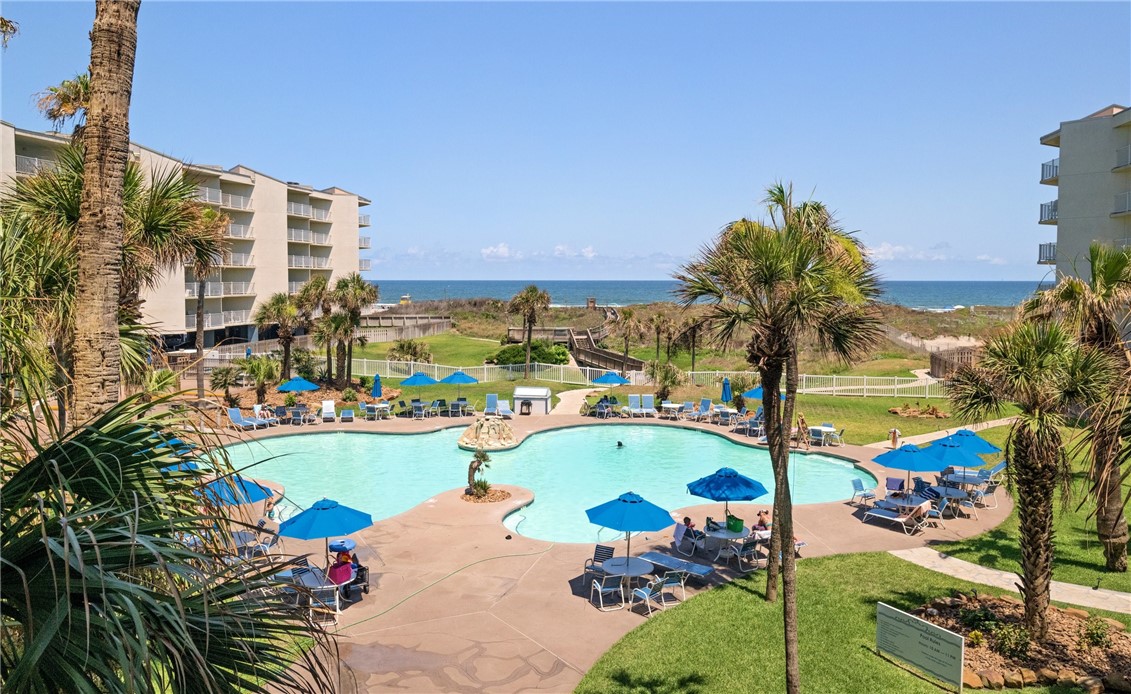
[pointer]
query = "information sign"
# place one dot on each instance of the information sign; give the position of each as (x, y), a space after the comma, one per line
(930, 648)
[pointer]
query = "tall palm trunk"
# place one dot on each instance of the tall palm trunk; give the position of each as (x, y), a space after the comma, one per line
(783, 521)
(101, 220)
(624, 364)
(1107, 487)
(657, 345)
(777, 440)
(1035, 474)
(349, 361)
(200, 281)
(342, 383)
(693, 331)
(286, 356)
(529, 337)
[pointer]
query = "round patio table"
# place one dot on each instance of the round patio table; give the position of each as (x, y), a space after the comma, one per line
(627, 567)
(726, 537)
(343, 545)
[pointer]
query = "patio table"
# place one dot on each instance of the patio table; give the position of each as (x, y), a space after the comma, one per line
(963, 478)
(726, 537)
(818, 433)
(627, 568)
(670, 410)
(950, 492)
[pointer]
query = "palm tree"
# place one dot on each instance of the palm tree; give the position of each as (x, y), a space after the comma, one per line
(315, 297)
(334, 332)
(67, 101)
(207, 256)
(1041, 369)
(1097, 308)
(689, 330)
(353, 293)
(530, 303)
(409, 350)
(101, 222)
(660, 324)
(8, 29)
(263, 369)
(281, 311)
(629, 327)
(226, 377)
(779, 282)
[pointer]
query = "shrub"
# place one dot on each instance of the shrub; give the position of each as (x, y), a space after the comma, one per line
(410, 350)
(739, 385)
(982, 619)
(290, 400)
(665, 376)
(540, 351)
(366, 382)
(304, 363)
(1095, 634)
(1011, 641)
(349, 395)
(975, 638)
(480, 488)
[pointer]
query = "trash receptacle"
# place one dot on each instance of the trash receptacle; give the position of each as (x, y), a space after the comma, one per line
(525, 407)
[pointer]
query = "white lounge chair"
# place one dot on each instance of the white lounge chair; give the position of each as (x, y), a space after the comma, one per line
(648, 405)
(911, 522)
(328, 414)
(505, 409)
(633, 408)
(262, 416)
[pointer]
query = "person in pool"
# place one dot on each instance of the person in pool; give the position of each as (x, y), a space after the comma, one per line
(620, 445)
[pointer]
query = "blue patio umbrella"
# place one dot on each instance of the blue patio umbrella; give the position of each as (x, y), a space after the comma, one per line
(972, 442)
(235, 491)
(375, 391)
(459, 378)
(727, 485)
(953, 454)
(324, 519)
(298, 384)
(756, 394)
(419, 379)
(181, 467)
(910, 458)
(630, 513)
(726, 396)
(611, 378)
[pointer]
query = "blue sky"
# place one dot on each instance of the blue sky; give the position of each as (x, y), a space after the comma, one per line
(609, 141)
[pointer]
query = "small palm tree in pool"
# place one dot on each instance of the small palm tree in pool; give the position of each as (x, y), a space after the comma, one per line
(480, 461)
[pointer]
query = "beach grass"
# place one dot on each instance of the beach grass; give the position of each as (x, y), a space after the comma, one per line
(729, 639)
(448, 349)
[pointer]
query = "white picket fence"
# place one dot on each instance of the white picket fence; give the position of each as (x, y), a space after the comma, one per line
(811, 384)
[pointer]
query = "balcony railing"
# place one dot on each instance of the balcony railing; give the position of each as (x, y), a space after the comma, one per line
(294, 287)
(212, 195)
(1046, 254)
(231, 317)
(1050, 170)
(238, 202)
(363, 220)
(320, 262)
(210, 289)
(238, 288)
(1049, 212)
(320, 214)
(322, 238)
(1123, 156)
(238, 259)
(298, 235)
(363, 242)
(300, 261)
(1122, 203)
(239, 231)
(298, 209)
(364, 264)
(211, 320)
(33, 165)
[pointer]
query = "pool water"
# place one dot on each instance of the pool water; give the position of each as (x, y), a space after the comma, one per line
(569, 470)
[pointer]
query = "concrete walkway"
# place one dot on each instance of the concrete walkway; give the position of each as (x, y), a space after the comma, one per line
(569, 401)
(935, 435)
(1098, 598)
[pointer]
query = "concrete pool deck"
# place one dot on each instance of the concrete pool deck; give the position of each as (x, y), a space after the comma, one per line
(459, 603)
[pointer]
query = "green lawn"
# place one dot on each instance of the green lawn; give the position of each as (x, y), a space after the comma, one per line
(729, 639)
(1079, 556)
(448, 349)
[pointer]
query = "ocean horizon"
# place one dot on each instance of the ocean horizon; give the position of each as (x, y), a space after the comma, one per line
(922, 295)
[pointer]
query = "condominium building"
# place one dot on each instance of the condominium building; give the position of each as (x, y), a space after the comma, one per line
(1092, 177)
(281, 234)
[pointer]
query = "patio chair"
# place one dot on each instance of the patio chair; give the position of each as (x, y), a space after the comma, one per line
(370, 412)
(746, 552)
(593, 565)
(418, 411)
(651, 593)
(935, 515)
(705, 411)
(858, 490)
(725, 417)
(328, 414)
(243, 423)
(406, 411)
(670, 581)
(834, 438)
(919, 486)
(492, 406)
(894, 486)
(970, 503)
(347, 416)
(633, 407)
(696, 537)
(604, 410)
(283, 416)
(296, 417)
(434, 409)
(686, 410)
(505, 409)
(997, 470)
(455, 409)
(606, 585)
(648, 405)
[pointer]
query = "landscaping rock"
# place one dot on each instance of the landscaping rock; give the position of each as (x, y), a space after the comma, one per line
(1091, 685)
(1046, 675)
(1013, 679)
(1078, 613)
(970, 679)
(932, 612)
(1028, 676)
(1066, 678)
(992, 679)
(1116, 682)
(1114, 624)
(1011, 599)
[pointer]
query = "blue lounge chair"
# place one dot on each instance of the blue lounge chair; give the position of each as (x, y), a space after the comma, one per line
(911, 523)
(492, 406)
(243, 423)
(705, 410)
(347, 416)
(633, 409)
(648, 405)
(671, 563)
(259, 414)
(505, 409)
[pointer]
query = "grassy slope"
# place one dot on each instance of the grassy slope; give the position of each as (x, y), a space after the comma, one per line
(730, 639)
(1079, 557)
(448, 349)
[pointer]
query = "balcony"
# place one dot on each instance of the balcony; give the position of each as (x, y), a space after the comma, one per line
(238, 288)
(364, 264)
(294, 287)
(239, 231)
(1050, 171)
(320, 214)
(236, 202)
(320, 262)
(1048, 212)
(363, 242)
(299, 261)
(1122, 204)
(320, 238)
(298, 209)
(363, 220)
(1122, 158)
(211, 320)
(298, 235)
(238, 259)
(1046, 254)
(236, 317)
(209, 195)
(210, 289)
(33, 165)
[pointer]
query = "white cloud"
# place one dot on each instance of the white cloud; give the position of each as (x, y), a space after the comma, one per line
(992, 260)
(889, 251)
(588, 253)
(500, 251)
(563, 251)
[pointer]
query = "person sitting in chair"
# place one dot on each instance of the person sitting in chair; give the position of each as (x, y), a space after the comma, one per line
(341, 573)
(691, 531)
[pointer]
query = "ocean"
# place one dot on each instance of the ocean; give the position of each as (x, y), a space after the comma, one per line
(917, 295)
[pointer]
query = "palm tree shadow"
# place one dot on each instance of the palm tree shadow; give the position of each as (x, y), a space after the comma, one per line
(693, 683)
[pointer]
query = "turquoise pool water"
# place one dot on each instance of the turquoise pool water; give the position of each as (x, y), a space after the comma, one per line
(569, 470)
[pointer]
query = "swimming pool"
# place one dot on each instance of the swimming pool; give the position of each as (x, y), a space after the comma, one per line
(569, 470)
